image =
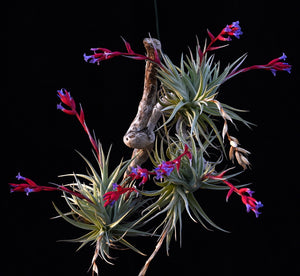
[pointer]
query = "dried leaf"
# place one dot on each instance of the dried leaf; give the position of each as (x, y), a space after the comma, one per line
(242, 150)
(231, 152)
(225, 129)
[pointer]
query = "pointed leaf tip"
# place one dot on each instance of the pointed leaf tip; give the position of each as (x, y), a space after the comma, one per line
(212, 37)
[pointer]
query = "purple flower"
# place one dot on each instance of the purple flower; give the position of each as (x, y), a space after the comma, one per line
(283, 57)
(138, 173)
(19, 177)
(28, 190)
(115, 186)
(230, 30)
(89, 59)
(164, 169)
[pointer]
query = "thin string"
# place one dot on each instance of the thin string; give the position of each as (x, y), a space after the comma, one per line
(156, 19)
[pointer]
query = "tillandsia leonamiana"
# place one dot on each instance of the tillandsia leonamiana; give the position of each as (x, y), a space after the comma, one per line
(176, 127)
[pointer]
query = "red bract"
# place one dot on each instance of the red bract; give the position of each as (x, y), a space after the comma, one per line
(101, 54)
(177, 160)
(245, 193)
(111, 197)
(66, 98)
(140, 173)
(166, 167)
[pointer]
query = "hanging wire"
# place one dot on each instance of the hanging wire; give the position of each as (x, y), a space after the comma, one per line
(156, 19)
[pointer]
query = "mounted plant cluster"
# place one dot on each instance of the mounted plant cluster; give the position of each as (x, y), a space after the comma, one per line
(179, 121)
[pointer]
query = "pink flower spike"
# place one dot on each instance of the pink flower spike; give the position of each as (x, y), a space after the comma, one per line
(233, 29)
(274, 65)
(245, 193)
(111, 197)
(66, 98)
(28, 187)
(32, 187)
(101, 54)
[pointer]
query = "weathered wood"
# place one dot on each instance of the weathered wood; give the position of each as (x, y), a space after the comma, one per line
(140, 135)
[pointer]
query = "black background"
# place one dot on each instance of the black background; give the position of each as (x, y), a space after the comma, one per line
(44, 52)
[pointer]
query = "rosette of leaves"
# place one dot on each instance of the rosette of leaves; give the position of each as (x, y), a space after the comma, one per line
(106, 226)
(189, 92)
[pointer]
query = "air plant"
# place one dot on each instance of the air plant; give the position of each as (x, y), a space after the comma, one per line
(107, 227)
(177, 126)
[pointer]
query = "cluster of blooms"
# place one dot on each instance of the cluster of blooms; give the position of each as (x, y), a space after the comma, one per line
(109, 230)
(167, 167)
(31, 187)
(111, 197)
(164, 169)
(232, 30)
(245, 193)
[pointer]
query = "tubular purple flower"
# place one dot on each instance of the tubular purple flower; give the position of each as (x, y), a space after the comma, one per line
(230, 30)
(19, 177)
(164, 169)
(283, 57)
(28, 191)
(115, 186)
(89, 59)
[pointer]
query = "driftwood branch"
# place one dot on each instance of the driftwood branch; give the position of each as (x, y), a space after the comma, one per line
(140, 136)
